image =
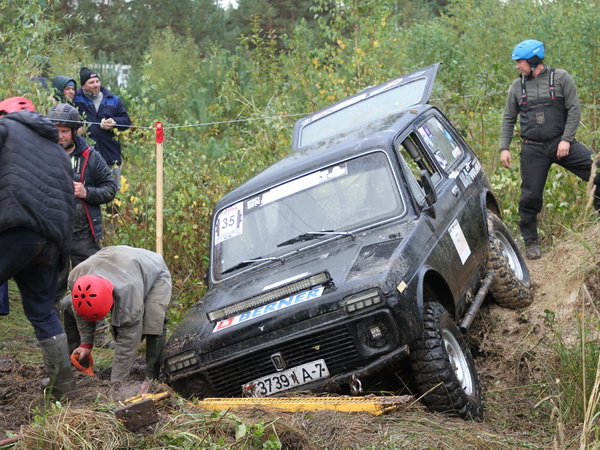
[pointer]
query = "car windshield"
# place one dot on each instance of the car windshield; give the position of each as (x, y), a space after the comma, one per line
(336, 199)
(359, 111)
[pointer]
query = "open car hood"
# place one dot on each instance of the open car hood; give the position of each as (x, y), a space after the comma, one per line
(370, 104)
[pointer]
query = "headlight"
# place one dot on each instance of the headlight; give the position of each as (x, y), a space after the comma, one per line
(364, 300)
(181, 361)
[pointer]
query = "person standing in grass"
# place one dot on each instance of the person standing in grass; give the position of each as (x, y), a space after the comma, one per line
(93, 185)
(105, 113)
(546, 100)
(36, 227)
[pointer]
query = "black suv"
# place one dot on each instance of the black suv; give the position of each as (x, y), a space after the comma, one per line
(368, 249)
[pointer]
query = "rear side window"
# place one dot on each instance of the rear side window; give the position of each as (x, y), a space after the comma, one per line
(440, 143)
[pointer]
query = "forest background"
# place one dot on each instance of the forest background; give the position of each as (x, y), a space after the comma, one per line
(228, 84)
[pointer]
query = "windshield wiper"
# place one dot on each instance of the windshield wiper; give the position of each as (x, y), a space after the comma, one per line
(247, 262)
(314, 235)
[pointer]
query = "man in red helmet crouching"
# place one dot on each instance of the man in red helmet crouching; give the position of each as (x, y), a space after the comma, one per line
(134, 285)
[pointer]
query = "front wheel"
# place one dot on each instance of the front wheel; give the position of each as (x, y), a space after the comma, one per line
(443, 368)
(511, 286)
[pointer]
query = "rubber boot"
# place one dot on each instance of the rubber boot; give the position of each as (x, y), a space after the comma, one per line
(154, 348)
(58, 367)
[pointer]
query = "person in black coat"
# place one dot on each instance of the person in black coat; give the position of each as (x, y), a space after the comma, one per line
(93, 184)
(36, 226)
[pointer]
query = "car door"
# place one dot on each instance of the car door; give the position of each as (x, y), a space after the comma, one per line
(453, 255)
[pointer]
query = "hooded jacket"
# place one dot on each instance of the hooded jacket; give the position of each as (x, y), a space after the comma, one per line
(111, 107)
(36, 181)
(89, 167)
(59, 83)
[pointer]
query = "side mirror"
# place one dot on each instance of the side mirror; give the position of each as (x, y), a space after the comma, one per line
(430, 194)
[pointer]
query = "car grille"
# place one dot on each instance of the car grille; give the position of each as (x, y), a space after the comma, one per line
(335, 346)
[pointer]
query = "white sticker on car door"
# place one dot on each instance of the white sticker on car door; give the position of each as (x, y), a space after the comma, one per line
(460, 241)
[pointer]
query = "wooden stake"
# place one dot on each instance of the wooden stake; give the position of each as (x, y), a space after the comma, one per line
(159, 186)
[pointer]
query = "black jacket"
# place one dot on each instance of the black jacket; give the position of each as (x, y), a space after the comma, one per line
(89, 166)
(36, 181)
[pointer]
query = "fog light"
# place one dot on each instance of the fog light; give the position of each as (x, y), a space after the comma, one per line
(375, 332)
(364, 300)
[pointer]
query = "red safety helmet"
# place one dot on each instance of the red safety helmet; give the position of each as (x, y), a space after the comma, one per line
(13, 104)
(92, 297)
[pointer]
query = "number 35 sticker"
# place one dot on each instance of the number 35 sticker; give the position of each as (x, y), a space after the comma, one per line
(229, 223)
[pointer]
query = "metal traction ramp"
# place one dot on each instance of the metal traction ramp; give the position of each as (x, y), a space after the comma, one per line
(372, 405)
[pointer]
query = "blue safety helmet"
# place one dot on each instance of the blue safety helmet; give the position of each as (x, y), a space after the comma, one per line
(528, 49)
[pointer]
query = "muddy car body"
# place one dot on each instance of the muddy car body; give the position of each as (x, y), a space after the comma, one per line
(362, 250)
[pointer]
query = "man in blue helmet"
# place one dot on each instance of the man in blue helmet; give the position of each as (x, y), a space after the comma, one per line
(546, 99)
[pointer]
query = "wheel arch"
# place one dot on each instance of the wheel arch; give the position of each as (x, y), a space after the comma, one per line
(491, 203)
(434, 283)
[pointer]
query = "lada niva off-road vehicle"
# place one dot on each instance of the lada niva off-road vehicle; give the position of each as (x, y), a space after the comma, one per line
(369, 248)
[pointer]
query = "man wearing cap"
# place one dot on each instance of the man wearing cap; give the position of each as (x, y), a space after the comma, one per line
(36, 226)
(93, 185)
(105, 112)
(546, 100)
(134, 285)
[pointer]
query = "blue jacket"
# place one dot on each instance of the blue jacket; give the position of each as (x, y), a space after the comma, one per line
(111, 106)
(98, 180)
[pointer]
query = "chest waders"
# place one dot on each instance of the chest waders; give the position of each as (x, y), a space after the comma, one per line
(544, 119)
(542, 125)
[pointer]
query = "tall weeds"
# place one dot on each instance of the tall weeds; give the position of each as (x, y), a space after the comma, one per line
(573, 377)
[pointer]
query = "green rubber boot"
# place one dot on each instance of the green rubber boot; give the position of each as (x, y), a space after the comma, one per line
(61, 382)
(154, 348)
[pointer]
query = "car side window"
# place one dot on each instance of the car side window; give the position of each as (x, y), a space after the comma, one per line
(411, 174)
(440, 143)
(414, 160)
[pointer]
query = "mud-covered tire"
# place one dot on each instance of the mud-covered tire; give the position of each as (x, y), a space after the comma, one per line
(443, 369)
(512, 286)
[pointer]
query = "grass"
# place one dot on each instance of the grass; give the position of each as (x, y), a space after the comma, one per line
(553, 401)
(16, 333)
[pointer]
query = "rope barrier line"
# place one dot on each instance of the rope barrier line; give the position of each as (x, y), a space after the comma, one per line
(196, 125)
(192, 125)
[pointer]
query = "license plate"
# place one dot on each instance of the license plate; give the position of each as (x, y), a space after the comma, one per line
(286, 379)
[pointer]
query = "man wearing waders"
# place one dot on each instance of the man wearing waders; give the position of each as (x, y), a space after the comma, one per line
(546, 99)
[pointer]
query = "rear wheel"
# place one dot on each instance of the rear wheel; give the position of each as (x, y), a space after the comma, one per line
(512, 286)
(443, 368)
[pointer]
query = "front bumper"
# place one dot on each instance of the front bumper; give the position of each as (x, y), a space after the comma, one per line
(347, 347)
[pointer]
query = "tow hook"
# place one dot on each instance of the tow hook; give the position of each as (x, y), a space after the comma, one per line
(355, 386)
